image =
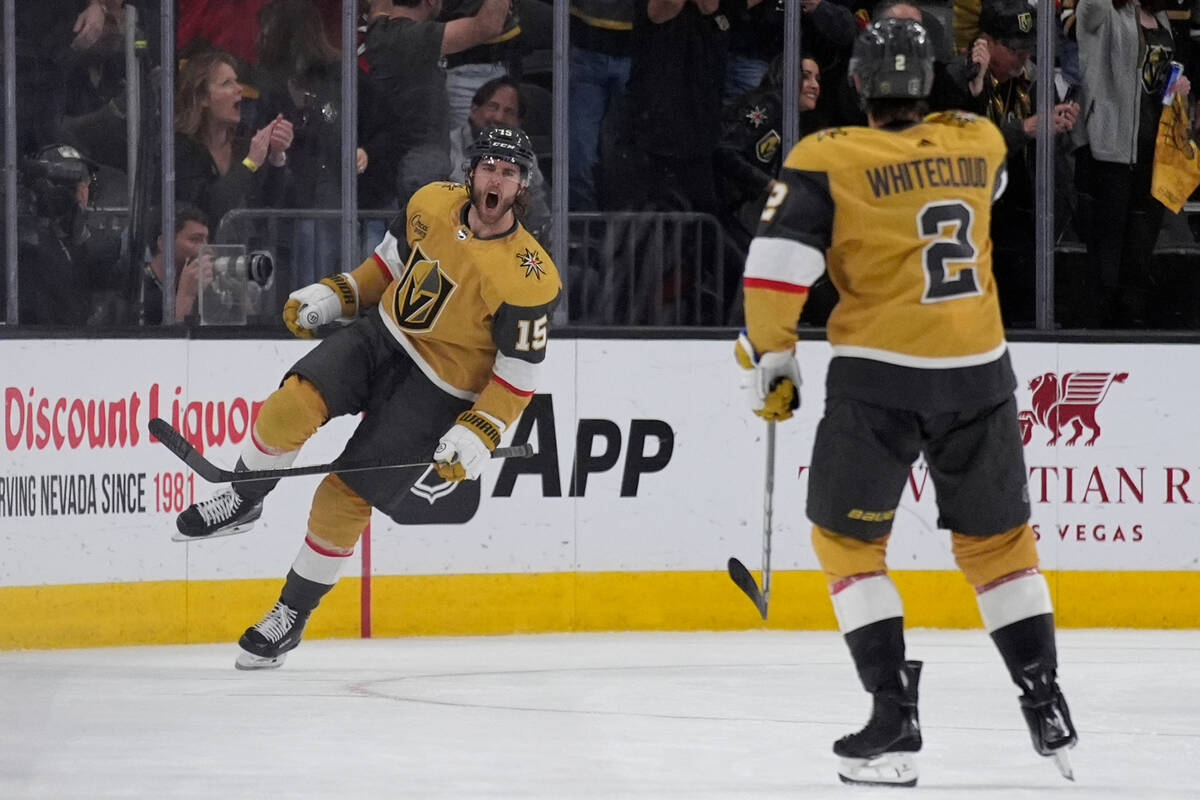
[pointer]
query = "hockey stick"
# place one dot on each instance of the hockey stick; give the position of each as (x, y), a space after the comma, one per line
(737, 570)
(173, 440)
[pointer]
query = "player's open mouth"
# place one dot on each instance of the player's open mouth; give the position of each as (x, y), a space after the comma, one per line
(491, 200)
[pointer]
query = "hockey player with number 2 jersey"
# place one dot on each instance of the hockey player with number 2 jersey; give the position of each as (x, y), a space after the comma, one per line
(449, 326)
(899, 213)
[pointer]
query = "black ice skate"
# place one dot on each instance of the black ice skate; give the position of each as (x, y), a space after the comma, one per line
(881, 754)
(1047, 716)
(223, 514)
(266, 645)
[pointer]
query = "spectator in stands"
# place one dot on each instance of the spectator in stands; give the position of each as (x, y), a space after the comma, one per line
(1125, 54)
(600, 36)
(747, 162)
(756, 37)
(749, 154)
(217, 166)
(233, 25)
(498, 104)
(193, 267)
(999, 76)
(661, 157)
(828, 30)
(300, 78)
(61, 262)
(473, 66)
(403, 113)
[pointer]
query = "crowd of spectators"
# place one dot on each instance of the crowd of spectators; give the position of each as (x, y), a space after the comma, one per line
(674, 106)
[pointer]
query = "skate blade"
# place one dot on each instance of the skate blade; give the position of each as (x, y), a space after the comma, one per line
(888, 769)
(230, 531)
(249, 661)
(1063, 762)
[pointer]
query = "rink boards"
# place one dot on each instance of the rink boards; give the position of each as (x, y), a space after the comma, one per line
(649, 476)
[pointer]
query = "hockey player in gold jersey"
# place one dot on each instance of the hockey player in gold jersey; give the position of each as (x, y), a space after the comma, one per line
(450, 321)
(898, 213)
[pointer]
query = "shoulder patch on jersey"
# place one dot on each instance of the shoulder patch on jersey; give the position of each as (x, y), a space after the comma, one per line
(531, 262)
(954, 117)
(756, 116)
(831, 133)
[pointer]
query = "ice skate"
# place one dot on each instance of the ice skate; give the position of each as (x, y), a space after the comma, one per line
(1046, 714)
(266, 645)
(881, 754)
(223, 514)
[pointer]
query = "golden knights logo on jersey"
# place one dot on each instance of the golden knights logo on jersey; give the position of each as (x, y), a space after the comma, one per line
(422, 293)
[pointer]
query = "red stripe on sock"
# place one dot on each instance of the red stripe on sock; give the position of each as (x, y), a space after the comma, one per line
(1012, 576)
(327, 551)
(847, 582)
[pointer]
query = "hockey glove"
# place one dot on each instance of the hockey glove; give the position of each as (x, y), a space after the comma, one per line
(771, 380)
(317, 304)
(466, 447)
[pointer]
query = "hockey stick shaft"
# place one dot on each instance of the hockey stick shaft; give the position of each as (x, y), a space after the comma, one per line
(174, 441)
(768, 508)
(737, 570)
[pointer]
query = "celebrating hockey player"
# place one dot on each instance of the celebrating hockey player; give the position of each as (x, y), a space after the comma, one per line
(448, 359)
(899, 213)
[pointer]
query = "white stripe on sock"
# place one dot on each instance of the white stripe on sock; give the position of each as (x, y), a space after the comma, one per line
(319, 566)
(1007, 602)
(256, 455)
(858, 603)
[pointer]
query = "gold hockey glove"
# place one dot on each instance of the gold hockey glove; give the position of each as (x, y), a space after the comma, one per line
(770, 380)
(466, 447)
(331, 298)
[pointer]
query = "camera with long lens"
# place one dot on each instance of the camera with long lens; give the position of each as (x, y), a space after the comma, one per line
(239, 279)
(257, 266)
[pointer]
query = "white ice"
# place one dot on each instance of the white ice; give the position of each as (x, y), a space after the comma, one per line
(622, 715)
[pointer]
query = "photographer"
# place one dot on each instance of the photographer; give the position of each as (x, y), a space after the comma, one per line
(193, 268)
(61, 262)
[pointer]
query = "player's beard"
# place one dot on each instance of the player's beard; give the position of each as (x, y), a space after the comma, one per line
(491, 204)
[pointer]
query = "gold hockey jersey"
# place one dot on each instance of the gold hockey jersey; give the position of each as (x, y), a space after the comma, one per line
(900, 217)
(474, 314)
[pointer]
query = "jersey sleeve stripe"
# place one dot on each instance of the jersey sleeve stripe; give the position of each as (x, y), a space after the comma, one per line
(782, 260)
(387, 255)
(517, 375)
(779, 286)
(383, 267)
(511, 388)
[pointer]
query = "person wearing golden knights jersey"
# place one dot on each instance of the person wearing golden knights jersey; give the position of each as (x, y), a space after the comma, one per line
(898, 212)
(446, 360)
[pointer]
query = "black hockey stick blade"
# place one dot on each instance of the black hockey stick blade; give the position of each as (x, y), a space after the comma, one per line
(174, 441)
(745, 581)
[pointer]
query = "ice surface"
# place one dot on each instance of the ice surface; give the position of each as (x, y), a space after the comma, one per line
(622, 715)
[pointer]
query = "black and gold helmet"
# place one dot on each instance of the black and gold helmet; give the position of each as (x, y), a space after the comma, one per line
(503, 144)
(893, 59)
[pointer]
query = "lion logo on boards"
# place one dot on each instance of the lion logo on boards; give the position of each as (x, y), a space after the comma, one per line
(531, 262)
(422, 293)
(766, 147)
(1070, 400)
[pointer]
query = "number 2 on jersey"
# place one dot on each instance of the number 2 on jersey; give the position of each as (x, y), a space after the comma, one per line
(949, 223)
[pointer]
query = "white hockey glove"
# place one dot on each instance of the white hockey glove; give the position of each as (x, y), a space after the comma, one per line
(317, 304)
(771, 380)
(466, 447)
